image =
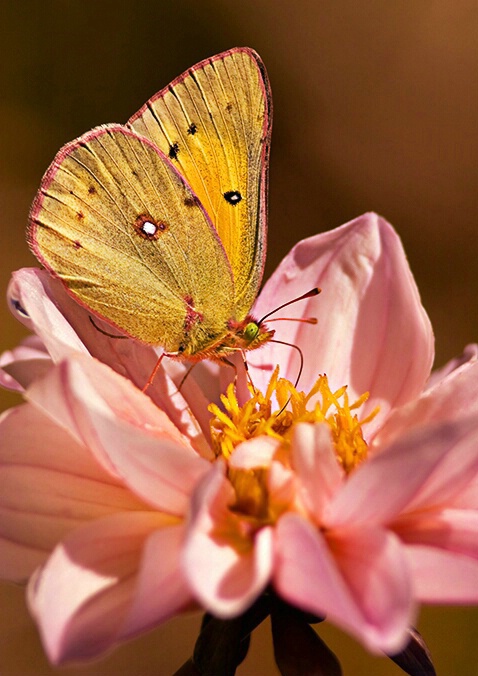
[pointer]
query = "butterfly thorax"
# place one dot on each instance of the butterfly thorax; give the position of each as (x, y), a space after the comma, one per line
(241, 336)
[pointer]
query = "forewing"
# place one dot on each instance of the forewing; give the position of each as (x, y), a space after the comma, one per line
(214, 123)
(130, 240)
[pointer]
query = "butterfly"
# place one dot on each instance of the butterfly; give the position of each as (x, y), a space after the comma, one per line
(159, 226)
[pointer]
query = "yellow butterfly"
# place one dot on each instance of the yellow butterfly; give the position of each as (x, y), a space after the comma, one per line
(159, 226)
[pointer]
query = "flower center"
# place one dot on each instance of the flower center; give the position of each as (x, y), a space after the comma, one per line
(258, 501)
(258, 417)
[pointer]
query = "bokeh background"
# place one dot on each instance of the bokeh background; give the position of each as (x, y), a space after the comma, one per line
(376, 108)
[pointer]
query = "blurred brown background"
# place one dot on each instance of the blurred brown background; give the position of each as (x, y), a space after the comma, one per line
(376, 108)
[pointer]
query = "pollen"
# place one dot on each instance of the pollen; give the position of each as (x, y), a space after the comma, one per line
(264, 414)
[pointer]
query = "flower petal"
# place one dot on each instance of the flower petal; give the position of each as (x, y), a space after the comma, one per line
(256, 452)
(50, 486)
(226, 568)
(360, 581)
(81, 597)
(455, 530)
(182, 393)
(456, 473)
(454, 396)
(424, 466)
(32, 301)
(316, 465)
(161, 590)
(64, 326)
(468, 357)
(128, 434)
(373, 333)
(447, 541)
(22, 365)
(442, 576)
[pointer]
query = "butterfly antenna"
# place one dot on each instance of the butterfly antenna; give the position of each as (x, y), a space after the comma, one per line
(310, 294)
(301, 355)
(307, 320)
(303, 320)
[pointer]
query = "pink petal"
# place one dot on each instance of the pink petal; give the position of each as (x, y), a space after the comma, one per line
(81, 597)
(281, 487)
(454, 530)
(32, 302)
(226, 567)
(182, 393)
(373, 333)
(441, 576)
(456, 471)
(422, 467)
(128, 434)
(254, 453)
(467, 497)
(185, 407)
(20, 366)
(64, 326)
(161, 590)
(50, 486)
(454, 396)
(359, 580)
(316, 465)
(468, 357)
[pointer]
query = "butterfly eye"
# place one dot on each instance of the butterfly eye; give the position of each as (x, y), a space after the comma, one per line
(250, 332)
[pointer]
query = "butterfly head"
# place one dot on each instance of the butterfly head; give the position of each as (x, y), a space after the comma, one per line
(249, 334)
(240, 336)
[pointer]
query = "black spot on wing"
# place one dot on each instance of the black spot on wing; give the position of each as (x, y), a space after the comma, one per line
(192, 129)
(191, 201)
(233, 197)
(173, 151)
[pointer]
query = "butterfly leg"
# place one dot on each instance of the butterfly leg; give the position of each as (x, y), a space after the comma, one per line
(185, 376)
(154, 372)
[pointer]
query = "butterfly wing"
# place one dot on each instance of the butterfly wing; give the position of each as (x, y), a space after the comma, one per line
(130, 240)
(214, 123)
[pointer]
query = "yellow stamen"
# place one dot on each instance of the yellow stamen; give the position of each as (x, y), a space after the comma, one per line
(235, 424)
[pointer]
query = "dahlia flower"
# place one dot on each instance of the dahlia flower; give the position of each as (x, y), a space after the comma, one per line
(352, 495)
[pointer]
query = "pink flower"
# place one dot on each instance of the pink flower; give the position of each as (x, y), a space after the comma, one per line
(124, 509)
